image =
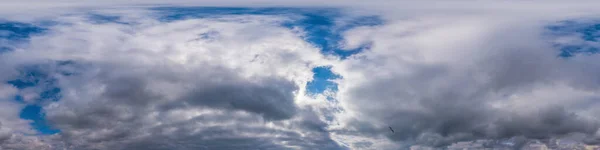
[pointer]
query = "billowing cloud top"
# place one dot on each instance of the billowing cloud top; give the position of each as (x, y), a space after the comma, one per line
(298, 75)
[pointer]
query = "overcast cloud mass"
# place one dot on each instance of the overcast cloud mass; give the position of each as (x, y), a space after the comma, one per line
(261, 74)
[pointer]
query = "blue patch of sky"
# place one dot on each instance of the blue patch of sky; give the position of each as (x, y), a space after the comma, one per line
(12, 34)
(36, 76)
(588, 32)
(323, 31)
(323, 27)
(36, 114)
(320, 24)
(16, 34)
(322, 80)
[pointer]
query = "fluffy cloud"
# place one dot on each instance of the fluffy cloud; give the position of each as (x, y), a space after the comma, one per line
(436, 81)
(12, 127)
(437, 75)
(225, 82)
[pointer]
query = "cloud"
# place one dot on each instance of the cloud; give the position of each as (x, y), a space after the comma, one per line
(437, 81)
(12, 127)
(437, 74)
(216, 83)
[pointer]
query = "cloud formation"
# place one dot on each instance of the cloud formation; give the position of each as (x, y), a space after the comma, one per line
(441, 80)
(133, 78)
(216, 83)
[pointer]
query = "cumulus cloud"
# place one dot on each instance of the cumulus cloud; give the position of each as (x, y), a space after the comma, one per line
(13, 128)
(460, 78)
(228, 82)
(436, 74)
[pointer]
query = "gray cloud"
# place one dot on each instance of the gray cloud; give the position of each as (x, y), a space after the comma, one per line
(436, 74)
(122, 110)
(273, 100)
(495, 86)
(189, 93)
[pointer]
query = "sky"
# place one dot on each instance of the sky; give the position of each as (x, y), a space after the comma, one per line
(265, 74)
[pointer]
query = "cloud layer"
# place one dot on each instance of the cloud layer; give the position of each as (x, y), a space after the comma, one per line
(212, 83)
(139, 78)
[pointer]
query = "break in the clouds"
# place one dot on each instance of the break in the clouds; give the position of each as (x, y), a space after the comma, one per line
(298, 76)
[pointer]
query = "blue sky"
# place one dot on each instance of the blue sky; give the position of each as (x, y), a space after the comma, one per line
(585, 30)
(32, 77)
(16, 32)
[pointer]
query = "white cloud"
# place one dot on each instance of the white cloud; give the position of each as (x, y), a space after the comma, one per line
(438, 80)
(437, 72)
(200, 82)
